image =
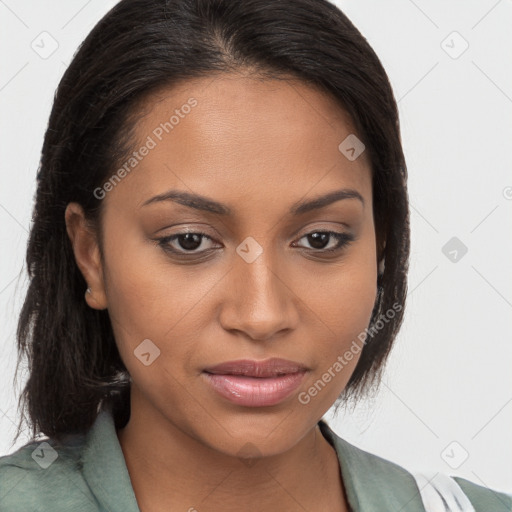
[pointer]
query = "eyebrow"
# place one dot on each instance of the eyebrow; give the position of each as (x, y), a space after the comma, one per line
(203, 203)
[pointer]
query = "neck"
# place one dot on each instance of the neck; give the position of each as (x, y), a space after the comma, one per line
(170, 469)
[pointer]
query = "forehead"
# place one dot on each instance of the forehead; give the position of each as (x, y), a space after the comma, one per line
(239, 139)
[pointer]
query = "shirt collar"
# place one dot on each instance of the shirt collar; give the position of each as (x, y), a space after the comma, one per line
(372, 484)
(104, 466)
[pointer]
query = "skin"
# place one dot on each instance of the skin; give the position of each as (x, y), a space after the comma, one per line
(259, 147)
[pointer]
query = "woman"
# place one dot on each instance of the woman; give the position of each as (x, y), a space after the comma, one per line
(225, 182)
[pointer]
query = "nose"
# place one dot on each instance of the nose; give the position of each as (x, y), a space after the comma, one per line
(259, 300)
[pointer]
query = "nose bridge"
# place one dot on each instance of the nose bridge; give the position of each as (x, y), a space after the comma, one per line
(259, 279)
(261, 304)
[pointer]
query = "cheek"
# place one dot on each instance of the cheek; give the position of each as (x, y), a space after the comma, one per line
(336, 358)
(146, 293)
(345, 311)
(343, 294)
(148, 298)
(340, 300)
(351, 299)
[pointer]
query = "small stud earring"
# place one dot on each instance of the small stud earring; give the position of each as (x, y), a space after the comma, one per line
(88, 291)
(381, 267)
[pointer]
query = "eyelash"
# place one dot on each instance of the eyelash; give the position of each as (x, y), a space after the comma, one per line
(344, 239)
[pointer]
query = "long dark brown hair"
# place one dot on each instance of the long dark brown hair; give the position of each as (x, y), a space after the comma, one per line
(141, 46)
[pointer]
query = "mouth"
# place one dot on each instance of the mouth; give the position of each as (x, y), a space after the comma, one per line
(274, 367)
(252, 383)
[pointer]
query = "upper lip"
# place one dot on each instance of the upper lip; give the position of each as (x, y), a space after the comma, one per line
(251, 368)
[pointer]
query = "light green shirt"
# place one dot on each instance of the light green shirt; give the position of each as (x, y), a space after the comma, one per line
(88, 474)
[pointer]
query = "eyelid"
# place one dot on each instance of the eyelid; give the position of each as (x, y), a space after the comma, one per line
(324, 226)
(343, 239)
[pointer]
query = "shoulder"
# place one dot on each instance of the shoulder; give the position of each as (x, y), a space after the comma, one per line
(373, 480)
(483, 498)
(43, 473)
(373, 483)
(440, 487)
(440, 490)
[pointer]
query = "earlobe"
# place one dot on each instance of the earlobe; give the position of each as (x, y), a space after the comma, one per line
(87, 255)
(92, 302)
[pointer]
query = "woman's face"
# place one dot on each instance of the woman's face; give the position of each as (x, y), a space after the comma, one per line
(261, 282)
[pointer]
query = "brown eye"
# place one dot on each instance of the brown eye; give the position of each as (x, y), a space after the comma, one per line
(183, 243)
(189, 241)
(320, 240)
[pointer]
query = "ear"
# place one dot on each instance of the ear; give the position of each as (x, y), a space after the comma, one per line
(87, 254)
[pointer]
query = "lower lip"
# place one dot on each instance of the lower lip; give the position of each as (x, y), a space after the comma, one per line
(252, 391)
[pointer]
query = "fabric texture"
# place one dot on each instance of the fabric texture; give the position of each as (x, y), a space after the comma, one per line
(441, 493)
(88, 474)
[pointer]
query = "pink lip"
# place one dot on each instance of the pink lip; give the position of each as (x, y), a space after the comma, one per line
(255, 391)
(251, 368)
(255, 383)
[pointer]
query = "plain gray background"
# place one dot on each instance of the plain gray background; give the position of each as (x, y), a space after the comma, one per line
(446, 399)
